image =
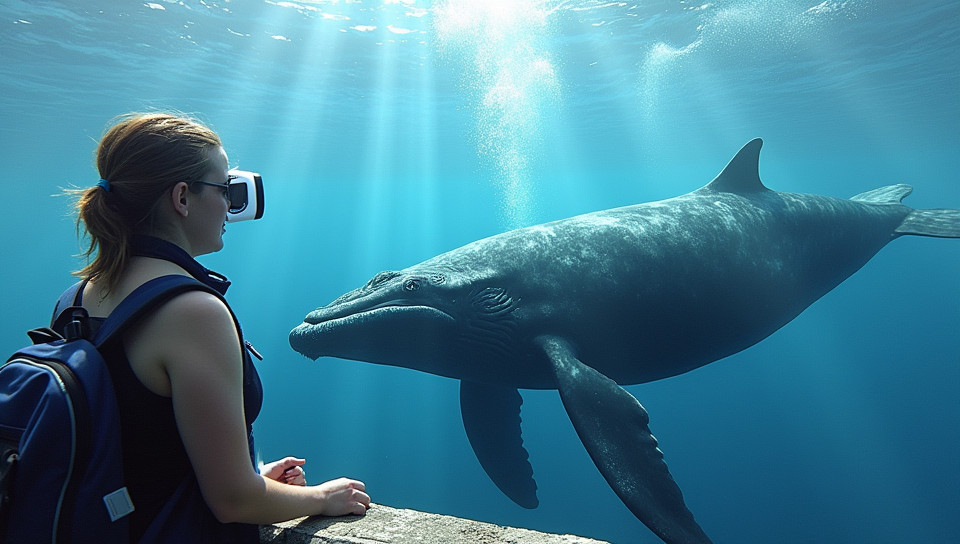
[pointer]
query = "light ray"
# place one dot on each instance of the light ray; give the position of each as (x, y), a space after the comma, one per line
(515, 81)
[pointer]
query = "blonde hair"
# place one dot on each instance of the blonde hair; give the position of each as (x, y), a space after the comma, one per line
(142, 156)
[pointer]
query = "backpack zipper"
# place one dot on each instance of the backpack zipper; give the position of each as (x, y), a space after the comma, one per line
(76, 401)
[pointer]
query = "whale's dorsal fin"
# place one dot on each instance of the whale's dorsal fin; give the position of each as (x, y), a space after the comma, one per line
(742, 173)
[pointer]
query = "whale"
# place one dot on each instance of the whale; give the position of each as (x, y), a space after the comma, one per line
(616, 297)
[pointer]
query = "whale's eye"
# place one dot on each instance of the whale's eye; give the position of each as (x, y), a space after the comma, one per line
(411, 284)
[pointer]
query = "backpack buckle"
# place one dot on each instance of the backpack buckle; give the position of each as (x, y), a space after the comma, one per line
(78, 327)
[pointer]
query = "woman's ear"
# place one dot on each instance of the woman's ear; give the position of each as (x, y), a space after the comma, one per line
(178, 197)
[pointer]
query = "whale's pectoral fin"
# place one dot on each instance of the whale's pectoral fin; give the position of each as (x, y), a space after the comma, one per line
(613, 427)
(491, 417)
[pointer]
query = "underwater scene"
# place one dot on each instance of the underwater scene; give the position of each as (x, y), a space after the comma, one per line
(388, 132)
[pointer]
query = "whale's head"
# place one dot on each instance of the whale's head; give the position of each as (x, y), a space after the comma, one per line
(428, 319)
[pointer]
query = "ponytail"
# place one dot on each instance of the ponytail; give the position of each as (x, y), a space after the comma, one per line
(109, 238)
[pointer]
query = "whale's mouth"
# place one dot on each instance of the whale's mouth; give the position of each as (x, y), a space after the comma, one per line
(344, 313)
(319, 323)
(368, 334)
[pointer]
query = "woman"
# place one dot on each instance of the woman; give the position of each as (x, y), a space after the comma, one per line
(187, 392)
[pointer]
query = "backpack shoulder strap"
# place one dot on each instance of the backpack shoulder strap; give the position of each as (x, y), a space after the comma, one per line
(145, 298)
(72, 297)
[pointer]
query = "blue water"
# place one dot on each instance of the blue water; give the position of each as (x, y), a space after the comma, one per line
(388, 132)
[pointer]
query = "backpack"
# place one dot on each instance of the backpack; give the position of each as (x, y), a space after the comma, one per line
(61, 469)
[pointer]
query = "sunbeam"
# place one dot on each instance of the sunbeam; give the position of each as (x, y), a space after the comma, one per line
(501, 47)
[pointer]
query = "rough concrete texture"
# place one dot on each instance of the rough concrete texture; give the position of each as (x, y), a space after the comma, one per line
(386, 525)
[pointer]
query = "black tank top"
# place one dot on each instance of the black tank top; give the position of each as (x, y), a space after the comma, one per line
(154, 459)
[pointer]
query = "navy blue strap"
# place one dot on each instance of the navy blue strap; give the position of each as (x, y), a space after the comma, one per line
(158, 248)
(71, 297)
(146, 298)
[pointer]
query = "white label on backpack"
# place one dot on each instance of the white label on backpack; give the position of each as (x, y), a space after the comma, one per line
(118, 503)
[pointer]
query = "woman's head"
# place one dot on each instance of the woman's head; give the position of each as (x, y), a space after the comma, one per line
(148, 160)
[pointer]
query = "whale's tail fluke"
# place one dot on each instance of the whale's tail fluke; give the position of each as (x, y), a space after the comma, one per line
(938, 223)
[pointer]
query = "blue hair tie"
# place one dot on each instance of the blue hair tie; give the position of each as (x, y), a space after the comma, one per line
(104, 184)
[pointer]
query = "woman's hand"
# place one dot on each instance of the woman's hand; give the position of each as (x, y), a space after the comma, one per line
(344, 496)
(286, 471)
(340, 497)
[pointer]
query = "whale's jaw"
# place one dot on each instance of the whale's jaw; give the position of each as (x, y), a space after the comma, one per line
(386, 334)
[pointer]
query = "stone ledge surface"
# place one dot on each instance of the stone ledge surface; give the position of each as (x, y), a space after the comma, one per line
(386, 525)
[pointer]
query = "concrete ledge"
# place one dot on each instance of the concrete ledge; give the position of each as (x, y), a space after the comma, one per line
(386, 525)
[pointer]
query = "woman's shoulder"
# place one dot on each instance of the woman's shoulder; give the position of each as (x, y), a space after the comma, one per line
(190, 333)
(190, 314)
(194, 312)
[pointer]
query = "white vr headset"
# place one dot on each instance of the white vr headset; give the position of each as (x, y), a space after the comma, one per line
(246, 196)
